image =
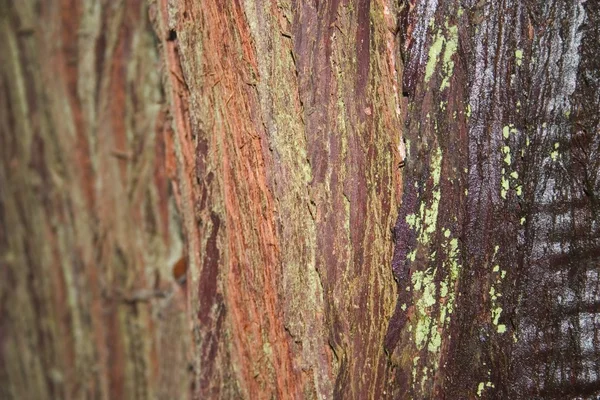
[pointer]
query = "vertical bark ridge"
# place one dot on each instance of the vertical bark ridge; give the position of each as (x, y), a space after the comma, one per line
(296, 125)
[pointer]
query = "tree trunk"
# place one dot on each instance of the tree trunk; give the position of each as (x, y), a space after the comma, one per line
(89, 229)
(354, 200)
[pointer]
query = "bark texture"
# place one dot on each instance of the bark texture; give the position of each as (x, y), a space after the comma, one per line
(365, 199)
(88, 234)
(497, 238)
(288, 128)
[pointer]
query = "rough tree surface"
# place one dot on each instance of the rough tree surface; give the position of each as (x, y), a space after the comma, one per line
(88, 229)
(358, 199)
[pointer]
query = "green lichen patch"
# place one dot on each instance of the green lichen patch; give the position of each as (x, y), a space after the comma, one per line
(554, 152)
(509, 178)
(494, 293)
(449, 45)
(519, 56)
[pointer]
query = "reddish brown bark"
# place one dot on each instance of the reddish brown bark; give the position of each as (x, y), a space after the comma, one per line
(299, 199)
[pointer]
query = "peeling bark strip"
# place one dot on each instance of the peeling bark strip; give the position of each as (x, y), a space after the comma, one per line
(295, 126)
(87, 224)
(497, 240)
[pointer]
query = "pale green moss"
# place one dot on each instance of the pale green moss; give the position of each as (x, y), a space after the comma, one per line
(501, 328)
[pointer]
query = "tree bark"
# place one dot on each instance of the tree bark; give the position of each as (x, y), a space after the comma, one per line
(299, 199)
(88, 226)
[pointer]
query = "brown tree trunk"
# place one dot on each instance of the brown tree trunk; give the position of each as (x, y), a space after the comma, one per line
(299, 199)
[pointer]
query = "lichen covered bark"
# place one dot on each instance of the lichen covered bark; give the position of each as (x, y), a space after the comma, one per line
(497, 237)
(88, 234)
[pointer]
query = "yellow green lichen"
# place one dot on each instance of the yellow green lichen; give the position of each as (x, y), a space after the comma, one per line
(425, 223)
(424, 280)
(496, 314)
(434, 53)
(519, 56)
(443, 289)
(554, 153)
(422, 330)
(435, 342)
(449, 45)
(412, 255)
(411, 220)
(505, 186)
(496, 309)
(480, 388)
